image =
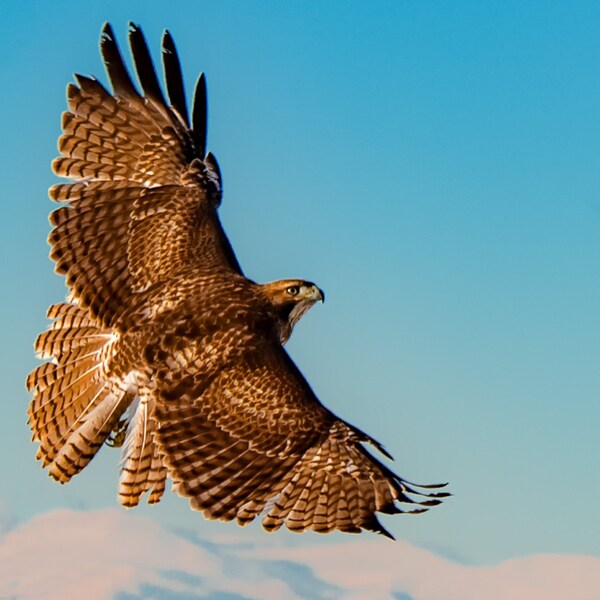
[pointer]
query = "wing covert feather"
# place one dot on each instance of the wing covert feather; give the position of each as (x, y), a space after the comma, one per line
(256, 440)
(126, 145)
(163, 346)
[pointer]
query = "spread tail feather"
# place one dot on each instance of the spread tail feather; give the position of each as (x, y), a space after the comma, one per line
(76, 406)
(141, 468)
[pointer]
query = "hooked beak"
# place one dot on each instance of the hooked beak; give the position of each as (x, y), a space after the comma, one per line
(317, 294)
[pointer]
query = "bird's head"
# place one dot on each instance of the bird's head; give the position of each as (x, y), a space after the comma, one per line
(291, 298)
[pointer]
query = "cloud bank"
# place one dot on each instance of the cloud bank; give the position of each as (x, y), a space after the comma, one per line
(112, 554)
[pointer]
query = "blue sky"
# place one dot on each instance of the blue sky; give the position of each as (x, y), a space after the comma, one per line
(433, 166)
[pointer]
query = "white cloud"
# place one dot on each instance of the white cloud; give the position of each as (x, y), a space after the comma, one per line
(97, 555)
(386, 570)
(115, 554)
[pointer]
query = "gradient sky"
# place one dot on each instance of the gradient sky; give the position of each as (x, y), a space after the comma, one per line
(434, 167)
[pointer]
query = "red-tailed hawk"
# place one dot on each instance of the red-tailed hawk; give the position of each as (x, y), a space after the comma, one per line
(163, 347)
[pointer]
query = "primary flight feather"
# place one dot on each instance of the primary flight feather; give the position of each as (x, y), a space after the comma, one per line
(164, 348)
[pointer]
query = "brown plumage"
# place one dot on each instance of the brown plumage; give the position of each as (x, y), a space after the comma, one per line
(164, 348)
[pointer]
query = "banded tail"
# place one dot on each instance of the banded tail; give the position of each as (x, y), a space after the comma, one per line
(77, 406)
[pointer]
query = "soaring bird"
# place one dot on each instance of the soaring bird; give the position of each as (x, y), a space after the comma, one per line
(164, 347)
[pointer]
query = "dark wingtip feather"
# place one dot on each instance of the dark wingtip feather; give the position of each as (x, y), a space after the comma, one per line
(376, 526)
(107, 30)
(143, 64)
(417, 511)
(113, 62)
(365, 437)
(173, 77)
(407, 489)
(90, 84)
(381, 448)
(82, 79)
(199, 116)
(429, 503)
(439, 495)
(390, 509)
(430, 486)
(211, 162)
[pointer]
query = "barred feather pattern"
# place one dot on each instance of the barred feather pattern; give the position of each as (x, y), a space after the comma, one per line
(76, 405)
(164, 348)
(140, 175)
(335, 484)
(142, 468)
(255, 441)
(120, 138)
(139, 186)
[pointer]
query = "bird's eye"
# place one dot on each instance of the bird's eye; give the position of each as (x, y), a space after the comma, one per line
(293, 290)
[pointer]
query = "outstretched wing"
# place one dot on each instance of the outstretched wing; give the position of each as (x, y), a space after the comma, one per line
(143, 203)
(255, 439)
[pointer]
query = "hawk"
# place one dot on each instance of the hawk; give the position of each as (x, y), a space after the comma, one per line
(164, 348)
